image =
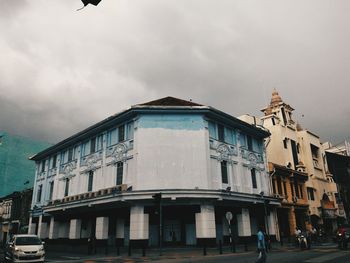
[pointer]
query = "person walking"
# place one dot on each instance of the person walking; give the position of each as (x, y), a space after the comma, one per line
(261, 246)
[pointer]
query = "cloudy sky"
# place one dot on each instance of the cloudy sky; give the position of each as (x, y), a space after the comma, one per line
(63, 70)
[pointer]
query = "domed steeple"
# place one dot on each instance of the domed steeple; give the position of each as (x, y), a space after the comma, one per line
(276, 98)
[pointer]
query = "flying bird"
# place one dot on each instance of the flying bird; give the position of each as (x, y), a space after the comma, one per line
(86, 2)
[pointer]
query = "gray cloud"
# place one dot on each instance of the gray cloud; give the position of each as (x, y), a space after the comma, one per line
(62, 70)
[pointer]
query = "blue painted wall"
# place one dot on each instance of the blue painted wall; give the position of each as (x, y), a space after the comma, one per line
(15, 168)
(172, 121)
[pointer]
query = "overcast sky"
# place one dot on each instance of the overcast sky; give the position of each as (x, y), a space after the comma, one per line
(63, 70)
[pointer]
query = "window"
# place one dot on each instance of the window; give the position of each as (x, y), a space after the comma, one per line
(253, 174)
(51, 190)
(301, 191)
(93, 145)
(273, 121)
(221, 133)
(112, 137)
(284, 116)
(40, 189)
(121, 135)
(298, 148)
(70, 154)
(292, 188)
(212, 130)
(285, 187)
(224, 177)
(274, 186)
(279, 185)
(310, 194)
(43, 164)
(120, 167)
(314, 151)
(130, 131)
(285, 143)
(250, 142)
(90, 182)
(54, 161)
(66, 189)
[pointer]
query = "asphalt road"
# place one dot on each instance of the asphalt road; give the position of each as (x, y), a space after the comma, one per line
(321, 255)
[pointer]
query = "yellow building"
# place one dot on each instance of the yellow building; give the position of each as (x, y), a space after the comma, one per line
(298, 172)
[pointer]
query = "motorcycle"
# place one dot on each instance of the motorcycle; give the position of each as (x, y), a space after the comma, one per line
(342, 239)
(302, 241)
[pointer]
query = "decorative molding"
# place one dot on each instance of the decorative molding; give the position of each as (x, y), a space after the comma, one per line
(118, 153)
(225, 152)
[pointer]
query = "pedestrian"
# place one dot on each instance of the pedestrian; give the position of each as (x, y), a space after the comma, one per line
(261, 247)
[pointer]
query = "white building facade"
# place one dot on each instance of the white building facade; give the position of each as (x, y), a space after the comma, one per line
(101, 181)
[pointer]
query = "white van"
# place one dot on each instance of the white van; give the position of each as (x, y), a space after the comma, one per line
(24, 248)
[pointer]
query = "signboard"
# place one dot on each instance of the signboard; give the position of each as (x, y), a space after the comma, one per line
(228, 216)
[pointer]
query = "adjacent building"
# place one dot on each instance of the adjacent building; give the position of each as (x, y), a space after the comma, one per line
(300, 177)
(16, 170)
(197, 161)
(338, 160)
(14, 214)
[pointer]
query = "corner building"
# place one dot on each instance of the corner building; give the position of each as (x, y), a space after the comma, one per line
(100, 181)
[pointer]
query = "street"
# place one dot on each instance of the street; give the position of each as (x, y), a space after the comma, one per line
(317, 255)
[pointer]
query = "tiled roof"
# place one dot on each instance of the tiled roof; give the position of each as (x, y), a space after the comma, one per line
(170, 101)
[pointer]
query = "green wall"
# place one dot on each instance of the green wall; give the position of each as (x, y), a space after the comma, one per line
(15, 168)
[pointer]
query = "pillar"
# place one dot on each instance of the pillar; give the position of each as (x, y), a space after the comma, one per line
(30, 225)
(243, 222)
(139, 226)
(292, 221)
(43, 231)
(74, 229)
(120, 231)
(205, 225)
(39, 225)
(271, 219)
(53, 229)
(102, 227)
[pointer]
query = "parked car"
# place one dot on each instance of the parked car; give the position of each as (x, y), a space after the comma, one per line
(343, 236)
(24, 248)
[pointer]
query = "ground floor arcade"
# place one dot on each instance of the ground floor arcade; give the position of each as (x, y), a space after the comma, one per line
(136, 223)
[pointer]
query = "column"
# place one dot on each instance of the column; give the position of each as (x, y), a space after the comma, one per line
(292, 221)
(205, 225)
(74, 229)
(39, 225)
(271, 219)
(243, 222)
(120, 231)
(102, 228)
(43, 231)
(30, 225)
(139, 226)
(53, 229)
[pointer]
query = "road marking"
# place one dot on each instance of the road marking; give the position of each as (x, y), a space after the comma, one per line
(327, 257)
